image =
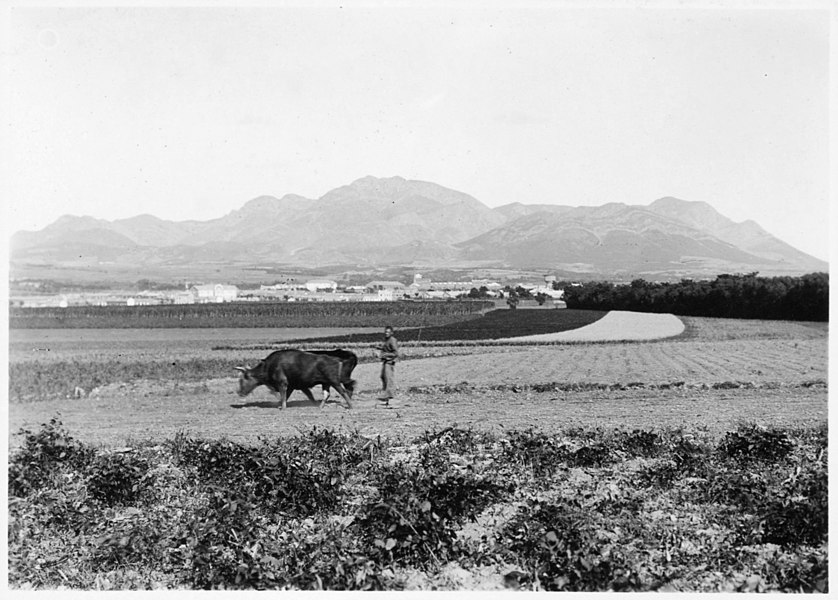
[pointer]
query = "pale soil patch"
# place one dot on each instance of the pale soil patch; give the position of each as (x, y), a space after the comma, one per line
(616, 326)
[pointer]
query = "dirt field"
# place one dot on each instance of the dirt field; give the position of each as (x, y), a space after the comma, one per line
(617, 325)
(718, 374)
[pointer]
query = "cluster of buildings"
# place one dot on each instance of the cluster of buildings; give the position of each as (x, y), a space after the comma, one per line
(195, 294)
(312, 290)
(374, 291)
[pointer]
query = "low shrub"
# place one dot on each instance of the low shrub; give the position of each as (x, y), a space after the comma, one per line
(42, 455)
(220, 542)
(534, 450)
(797, 511)
(117, 479)
(594, 455)
(751, 442)
(291, 483)
(457, 440)
(637, 443)
(560, 545)
(415, 518)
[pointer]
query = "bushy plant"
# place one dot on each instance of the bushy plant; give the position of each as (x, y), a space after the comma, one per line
(291, 483)
(541, 452)
(594, 455)
(415, 518)
(752, 442)
(328, 557)
(131, 537)
(457, 440)
(638, 442)
(797, 511)
(42, 455)
(560, 546)
(117, 478)
(218, 547)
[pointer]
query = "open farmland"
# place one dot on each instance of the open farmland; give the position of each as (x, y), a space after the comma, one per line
(695, 463)
(772, 373)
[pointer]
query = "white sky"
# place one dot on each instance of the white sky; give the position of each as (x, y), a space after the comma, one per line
(187, 113)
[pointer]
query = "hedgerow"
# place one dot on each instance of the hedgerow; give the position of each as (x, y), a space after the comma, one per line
(576, 510)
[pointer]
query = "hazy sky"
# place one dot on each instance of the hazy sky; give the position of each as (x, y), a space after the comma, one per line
(187, 113)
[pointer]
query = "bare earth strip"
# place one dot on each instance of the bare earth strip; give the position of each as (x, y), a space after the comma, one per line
(617, 325)
(215, 411)
(783, 364)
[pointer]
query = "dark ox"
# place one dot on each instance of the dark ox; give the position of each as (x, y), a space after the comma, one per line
(349, 360)
(284, 371)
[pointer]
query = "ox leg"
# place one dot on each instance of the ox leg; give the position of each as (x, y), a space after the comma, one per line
(309, 395)
(282, 392)
(326, 393)
(344, 394)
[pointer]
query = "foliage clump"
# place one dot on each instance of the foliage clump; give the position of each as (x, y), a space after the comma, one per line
(578, 510)
(751, 442)
(42, 456)
(561, 546)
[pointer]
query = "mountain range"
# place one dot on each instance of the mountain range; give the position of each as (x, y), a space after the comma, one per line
(394, 221)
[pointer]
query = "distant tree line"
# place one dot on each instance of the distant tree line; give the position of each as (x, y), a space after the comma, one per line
(804, 298)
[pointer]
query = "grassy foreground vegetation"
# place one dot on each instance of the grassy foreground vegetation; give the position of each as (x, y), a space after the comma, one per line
(577, 510)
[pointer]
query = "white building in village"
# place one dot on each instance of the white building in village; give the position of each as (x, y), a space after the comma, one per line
(214, 292)
(384, 291)
(321, 285)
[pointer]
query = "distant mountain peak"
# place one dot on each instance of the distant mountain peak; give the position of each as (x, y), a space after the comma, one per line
(673, 200)
(393, 220)
(373, 180)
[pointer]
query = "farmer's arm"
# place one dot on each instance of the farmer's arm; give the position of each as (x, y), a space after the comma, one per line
(390, 350)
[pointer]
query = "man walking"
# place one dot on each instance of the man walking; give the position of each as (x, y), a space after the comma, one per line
(389, 352)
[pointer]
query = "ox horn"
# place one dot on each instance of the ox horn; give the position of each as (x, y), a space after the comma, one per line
(242, 369)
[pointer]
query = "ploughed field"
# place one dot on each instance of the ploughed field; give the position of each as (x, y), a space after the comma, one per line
(694, 463)
(715, 375)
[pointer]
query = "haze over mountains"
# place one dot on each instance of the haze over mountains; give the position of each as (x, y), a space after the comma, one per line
(393, 221)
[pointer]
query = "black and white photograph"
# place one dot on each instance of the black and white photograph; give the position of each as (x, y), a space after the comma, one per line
(417, 296)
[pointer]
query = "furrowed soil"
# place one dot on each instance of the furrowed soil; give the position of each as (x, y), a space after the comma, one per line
(716, 375)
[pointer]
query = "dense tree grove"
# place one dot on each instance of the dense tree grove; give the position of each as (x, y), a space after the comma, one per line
(803, 298)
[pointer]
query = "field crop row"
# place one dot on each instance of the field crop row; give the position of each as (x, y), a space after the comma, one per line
(494, 325)
(573, 510)
(757, 361)
(250, 314)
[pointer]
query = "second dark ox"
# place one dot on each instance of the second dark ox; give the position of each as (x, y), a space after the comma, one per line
(284, 371)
